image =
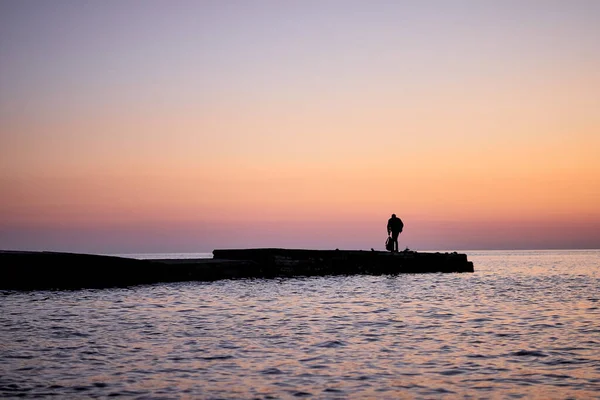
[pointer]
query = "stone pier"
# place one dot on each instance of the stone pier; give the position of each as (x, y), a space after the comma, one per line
(25, 270)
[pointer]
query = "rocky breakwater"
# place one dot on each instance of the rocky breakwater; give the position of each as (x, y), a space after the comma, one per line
(22, 270)
(291, 262)
(30, 270)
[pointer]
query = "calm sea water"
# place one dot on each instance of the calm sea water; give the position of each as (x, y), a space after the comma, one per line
(526, 324)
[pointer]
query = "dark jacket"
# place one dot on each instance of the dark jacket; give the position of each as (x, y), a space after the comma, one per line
(395, 225)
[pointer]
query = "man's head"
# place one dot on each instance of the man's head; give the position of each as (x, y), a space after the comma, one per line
(393, 215)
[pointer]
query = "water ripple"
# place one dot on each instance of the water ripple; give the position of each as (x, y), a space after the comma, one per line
(525, 325)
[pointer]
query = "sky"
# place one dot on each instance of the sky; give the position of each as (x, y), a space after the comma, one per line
(187, 126)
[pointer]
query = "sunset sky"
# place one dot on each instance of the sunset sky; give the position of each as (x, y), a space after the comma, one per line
(187, 126)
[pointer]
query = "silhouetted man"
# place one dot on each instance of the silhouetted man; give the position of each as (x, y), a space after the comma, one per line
(394, 226)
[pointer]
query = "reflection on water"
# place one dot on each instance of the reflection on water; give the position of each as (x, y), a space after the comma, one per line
(525, 324)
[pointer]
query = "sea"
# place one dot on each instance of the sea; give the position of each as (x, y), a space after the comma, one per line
(524, 325)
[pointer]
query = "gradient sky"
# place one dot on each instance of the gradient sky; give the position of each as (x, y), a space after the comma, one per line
(163, 126)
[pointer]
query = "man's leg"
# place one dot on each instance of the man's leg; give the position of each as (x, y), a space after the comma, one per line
(395, 238)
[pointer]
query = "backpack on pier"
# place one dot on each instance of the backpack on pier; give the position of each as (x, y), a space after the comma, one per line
(389, 244)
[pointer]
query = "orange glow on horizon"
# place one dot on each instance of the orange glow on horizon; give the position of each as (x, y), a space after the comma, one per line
(307, 130)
